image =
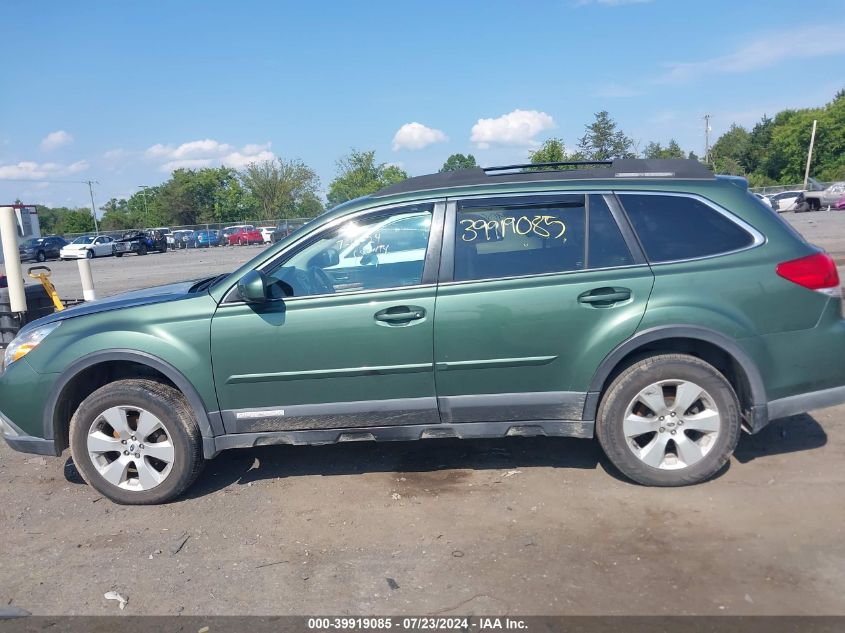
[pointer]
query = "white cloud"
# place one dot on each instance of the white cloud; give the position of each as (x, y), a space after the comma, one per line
(208, 153)
(416, 136)
(239, 160)
(514, 128)
(766, 51)
(55, 140)
(30, 170)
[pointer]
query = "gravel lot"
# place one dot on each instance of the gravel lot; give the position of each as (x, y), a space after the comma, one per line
(517, 526)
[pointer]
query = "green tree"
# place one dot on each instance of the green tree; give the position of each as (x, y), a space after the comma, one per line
(551, 151)
(655, 150)
(459, 161)
(603, 141)
(358, 175)
(729, 152)
(282, 187)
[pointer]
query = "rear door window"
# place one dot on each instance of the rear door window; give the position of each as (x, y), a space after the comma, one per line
(504, 237)
(499, 238)
(673, 228)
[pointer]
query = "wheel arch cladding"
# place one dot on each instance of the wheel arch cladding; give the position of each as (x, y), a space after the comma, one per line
(92, 371)
(719, 350)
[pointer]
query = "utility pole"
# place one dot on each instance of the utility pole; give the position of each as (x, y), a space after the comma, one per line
(707, 138)
(810, 155)
(143, 189)
(93, 206)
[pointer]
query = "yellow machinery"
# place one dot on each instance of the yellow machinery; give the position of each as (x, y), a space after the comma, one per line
(44, 277)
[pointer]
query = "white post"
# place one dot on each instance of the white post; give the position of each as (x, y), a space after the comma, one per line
(12, 257)
(87, 279)
(810, 155)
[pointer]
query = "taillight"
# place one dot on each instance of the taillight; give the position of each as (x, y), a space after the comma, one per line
(816, 272)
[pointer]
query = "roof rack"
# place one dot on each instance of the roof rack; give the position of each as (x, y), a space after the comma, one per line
(568, 163)
(619, 168)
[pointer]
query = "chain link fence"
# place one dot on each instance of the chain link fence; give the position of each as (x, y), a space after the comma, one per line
(286, 224)
(772, 189)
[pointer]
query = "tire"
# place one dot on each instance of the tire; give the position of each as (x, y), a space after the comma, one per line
(118, 254)
(89, 254)
(624, 423)
(142, 249)
(175, 422)
(41, 257)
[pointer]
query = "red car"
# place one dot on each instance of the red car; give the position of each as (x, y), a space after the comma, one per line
(243, 235)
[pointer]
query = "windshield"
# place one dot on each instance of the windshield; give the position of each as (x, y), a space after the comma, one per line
(85, 239)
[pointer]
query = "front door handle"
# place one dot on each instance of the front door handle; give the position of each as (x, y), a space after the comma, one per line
(397, 315)
(604, 297)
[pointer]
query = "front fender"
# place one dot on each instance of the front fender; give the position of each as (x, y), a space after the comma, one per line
(209, 425)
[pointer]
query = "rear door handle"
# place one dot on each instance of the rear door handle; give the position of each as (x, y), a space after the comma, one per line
(400, 314)
(603, 297)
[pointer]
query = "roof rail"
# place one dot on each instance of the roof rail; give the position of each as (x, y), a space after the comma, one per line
(617, 169)
(568, 163)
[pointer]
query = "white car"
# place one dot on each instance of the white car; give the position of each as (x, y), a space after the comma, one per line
(88, 246)
(267, 233)
(784, 200)
(764, 200)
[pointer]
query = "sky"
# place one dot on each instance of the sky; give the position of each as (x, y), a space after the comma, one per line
(123, 92)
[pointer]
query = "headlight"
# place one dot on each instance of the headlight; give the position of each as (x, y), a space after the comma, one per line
(23, 345)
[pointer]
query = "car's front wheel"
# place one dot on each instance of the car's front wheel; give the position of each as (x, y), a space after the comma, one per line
(136, 441)
(669, 420)
(89, 254)
(41, 257)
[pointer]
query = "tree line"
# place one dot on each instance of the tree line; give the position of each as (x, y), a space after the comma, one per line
(773, 152)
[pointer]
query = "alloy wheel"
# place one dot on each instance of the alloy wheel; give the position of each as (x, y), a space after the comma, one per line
(130, 448)
(671, 424)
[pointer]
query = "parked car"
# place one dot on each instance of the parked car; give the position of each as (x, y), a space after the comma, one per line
(140, 243)
(817, 200)
(88, 246)
(267, 233)
(765, 200)
(225, 233)
(40, 249)
(168, 234)
(181, 238)
(283, 229)
(204, 238)
(244, 235)
(642, 302)
(784, 201)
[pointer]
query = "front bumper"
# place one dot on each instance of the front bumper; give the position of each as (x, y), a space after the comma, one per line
(73, 255)
(23, 443)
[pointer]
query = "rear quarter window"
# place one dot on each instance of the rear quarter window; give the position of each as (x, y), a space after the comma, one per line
(673, 228)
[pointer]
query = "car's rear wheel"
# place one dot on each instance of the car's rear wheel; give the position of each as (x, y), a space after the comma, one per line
(669, 420)
(41, 257)
(136, 441)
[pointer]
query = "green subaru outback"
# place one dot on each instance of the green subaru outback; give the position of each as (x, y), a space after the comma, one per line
(646, 302)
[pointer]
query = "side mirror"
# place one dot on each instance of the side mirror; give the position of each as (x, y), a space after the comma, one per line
(326, 259)
(252, 287)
